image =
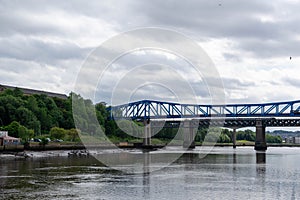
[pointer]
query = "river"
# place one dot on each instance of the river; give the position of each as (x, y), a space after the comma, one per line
(224, 173)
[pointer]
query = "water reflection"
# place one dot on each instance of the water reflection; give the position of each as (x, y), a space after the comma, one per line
(146, 175)
(261, 158)
(261, 172)
(260, 163)
(188, 158)
(223, 173)
(234, 161)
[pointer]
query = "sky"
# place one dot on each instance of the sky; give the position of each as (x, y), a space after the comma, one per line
(254, 45)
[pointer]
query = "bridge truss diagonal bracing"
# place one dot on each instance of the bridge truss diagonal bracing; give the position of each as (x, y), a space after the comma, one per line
(148, 109)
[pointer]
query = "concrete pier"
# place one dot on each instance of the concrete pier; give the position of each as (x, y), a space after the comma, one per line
(234, 138)
(189, 133)
(260, 140)
(147, 133)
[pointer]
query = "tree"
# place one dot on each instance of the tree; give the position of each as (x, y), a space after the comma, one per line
(44, 119)
(27, 118)
(101, 113)
(25, 134)
(44, 141)
(228, 133)
(17, 92)
(2, 115)
(224, 138)
(57, 133)
(56, 116)
(203, 133)
(13, 129)
(32, 105)
(9, 106)
(65, 107)
(245, 135)
(110, 127)
(72, 135)
(80, 112)
(273, 139)
(213, 135)
(7, 92)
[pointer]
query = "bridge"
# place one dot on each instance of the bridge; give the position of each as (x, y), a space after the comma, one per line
(278, 114)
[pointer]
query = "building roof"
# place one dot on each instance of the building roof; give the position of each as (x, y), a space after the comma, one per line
(32, 91)
(9, 138)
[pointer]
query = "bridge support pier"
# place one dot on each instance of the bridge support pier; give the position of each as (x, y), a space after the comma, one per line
(260, 140)
(234, 138)
(189, 133)
(147, 133)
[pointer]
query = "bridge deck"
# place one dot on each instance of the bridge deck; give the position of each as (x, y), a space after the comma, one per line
(232, 123)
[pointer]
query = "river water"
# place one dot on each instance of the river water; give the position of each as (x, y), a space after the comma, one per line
(224, 173)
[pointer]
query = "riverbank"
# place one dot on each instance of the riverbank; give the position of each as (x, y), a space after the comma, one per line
(78, 146)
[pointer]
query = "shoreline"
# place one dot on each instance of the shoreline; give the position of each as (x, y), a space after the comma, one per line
(41, 148)
(86, 153)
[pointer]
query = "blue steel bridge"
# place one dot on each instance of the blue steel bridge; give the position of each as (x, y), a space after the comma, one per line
(277, 114)
(148, 109)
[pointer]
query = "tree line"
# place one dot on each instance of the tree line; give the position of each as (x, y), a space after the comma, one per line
(219, 135)
(37, 115)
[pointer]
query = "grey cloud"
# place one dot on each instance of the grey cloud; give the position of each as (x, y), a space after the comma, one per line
(284, 47)
(232, 57)
(15, 24)
(292, 81)
(237, 20)
(38, 50)
(22, 28)
(143, 83)
(25, 17)
(206, 19)
(230, 83)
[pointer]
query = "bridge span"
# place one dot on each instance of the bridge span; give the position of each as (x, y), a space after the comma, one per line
(234, 116)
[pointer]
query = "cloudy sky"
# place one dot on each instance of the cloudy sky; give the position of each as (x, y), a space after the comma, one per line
(254, 45)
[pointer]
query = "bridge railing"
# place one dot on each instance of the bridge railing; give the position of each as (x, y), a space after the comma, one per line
(146, 109)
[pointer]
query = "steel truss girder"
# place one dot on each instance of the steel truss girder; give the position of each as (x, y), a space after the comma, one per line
(148, 109)
(230, 123)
